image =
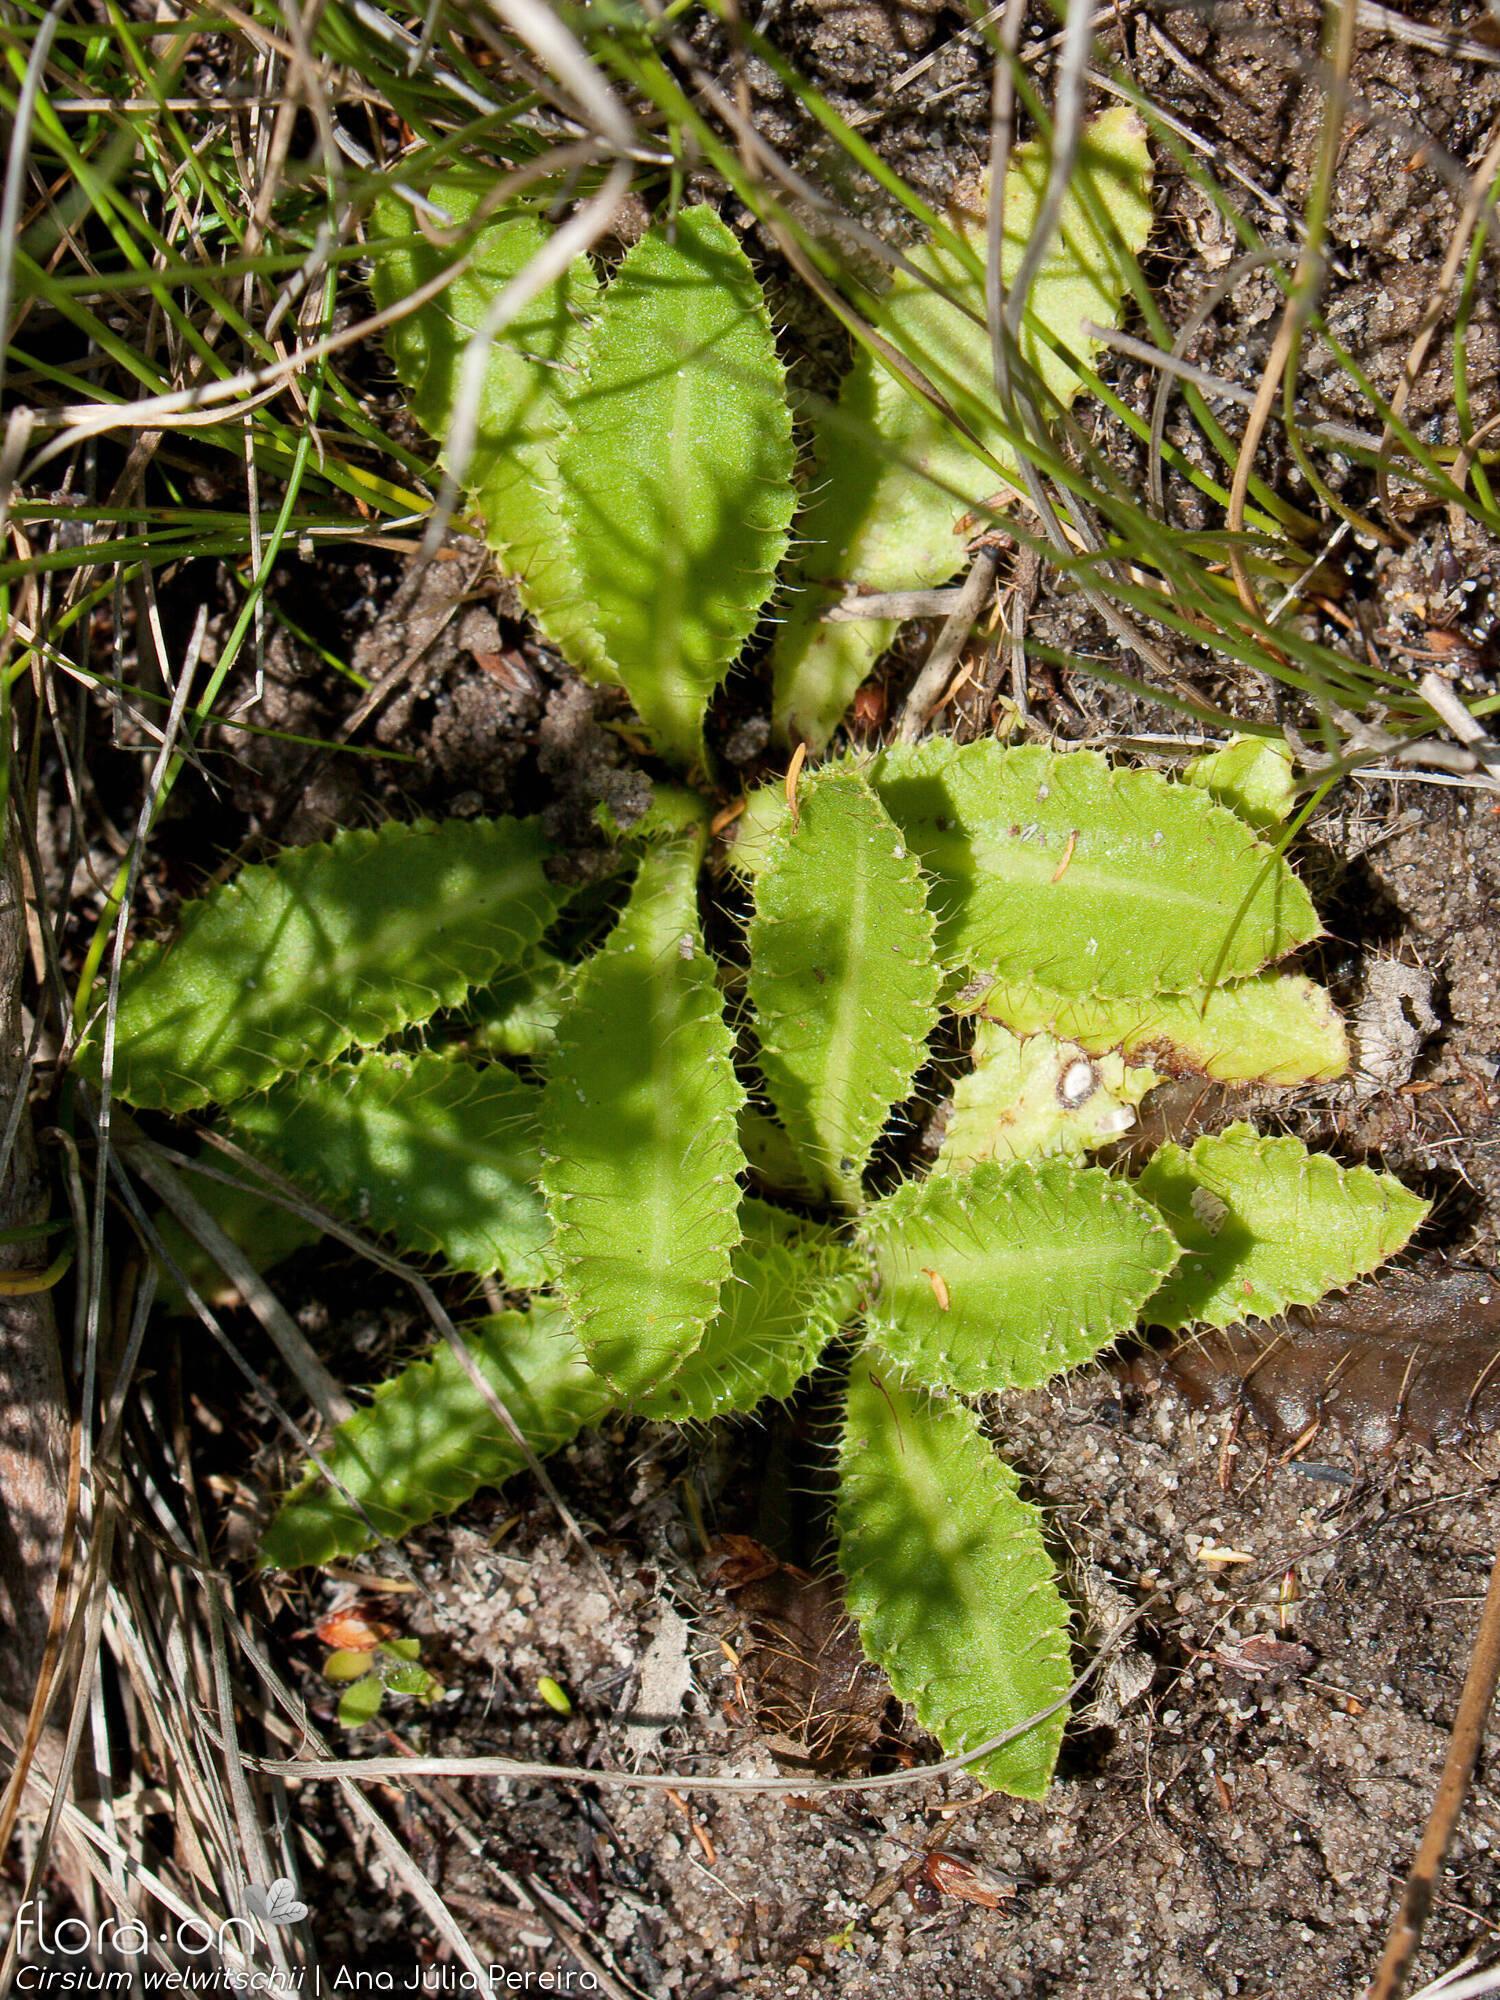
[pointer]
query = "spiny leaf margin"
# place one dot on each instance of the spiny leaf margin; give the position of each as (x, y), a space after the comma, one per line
(439, 1153)
(844, 986)
(329, 946)
(429, 1441)
(1274, 1027)
(676, 471)
(1273, 1226)
(948, 1578)
(792, 1286)
(530, 373)
(1093, 880)
(1000, 1277)
(640, 1148)
(1252, 776)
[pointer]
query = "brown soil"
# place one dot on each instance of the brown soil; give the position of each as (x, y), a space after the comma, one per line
(1241, 1830)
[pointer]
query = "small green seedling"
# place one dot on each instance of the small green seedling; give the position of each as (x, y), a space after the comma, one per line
(708, 1175)
(368, 1675)
(554, 1694)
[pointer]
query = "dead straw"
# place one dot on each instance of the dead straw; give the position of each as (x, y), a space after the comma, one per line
(1464, 1745)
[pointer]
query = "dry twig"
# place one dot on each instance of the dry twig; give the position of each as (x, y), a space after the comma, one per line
(927, 688)
(1453, 1788)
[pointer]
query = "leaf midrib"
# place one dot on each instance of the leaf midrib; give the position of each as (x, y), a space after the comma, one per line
(838, 1096)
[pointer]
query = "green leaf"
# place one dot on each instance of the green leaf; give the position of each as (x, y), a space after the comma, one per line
(1265, 1224)
(347, 1665)
(329, 946)
(1251, 775)
(842, 976)
(1026, 1098)
(1275, 1027)
(894, 475)
(429, 1441)
(1002, 1276)
(640, 1151)
(1094, 881)
(360, 1702)
(949, 1581)
(440, 1154)
(264, 1230)
(773, 1160)
(531, 371)
(414, 1681)
(757, 826)
(554, 1694)
(517, 1014)
(791, 1287)
(677, 471)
